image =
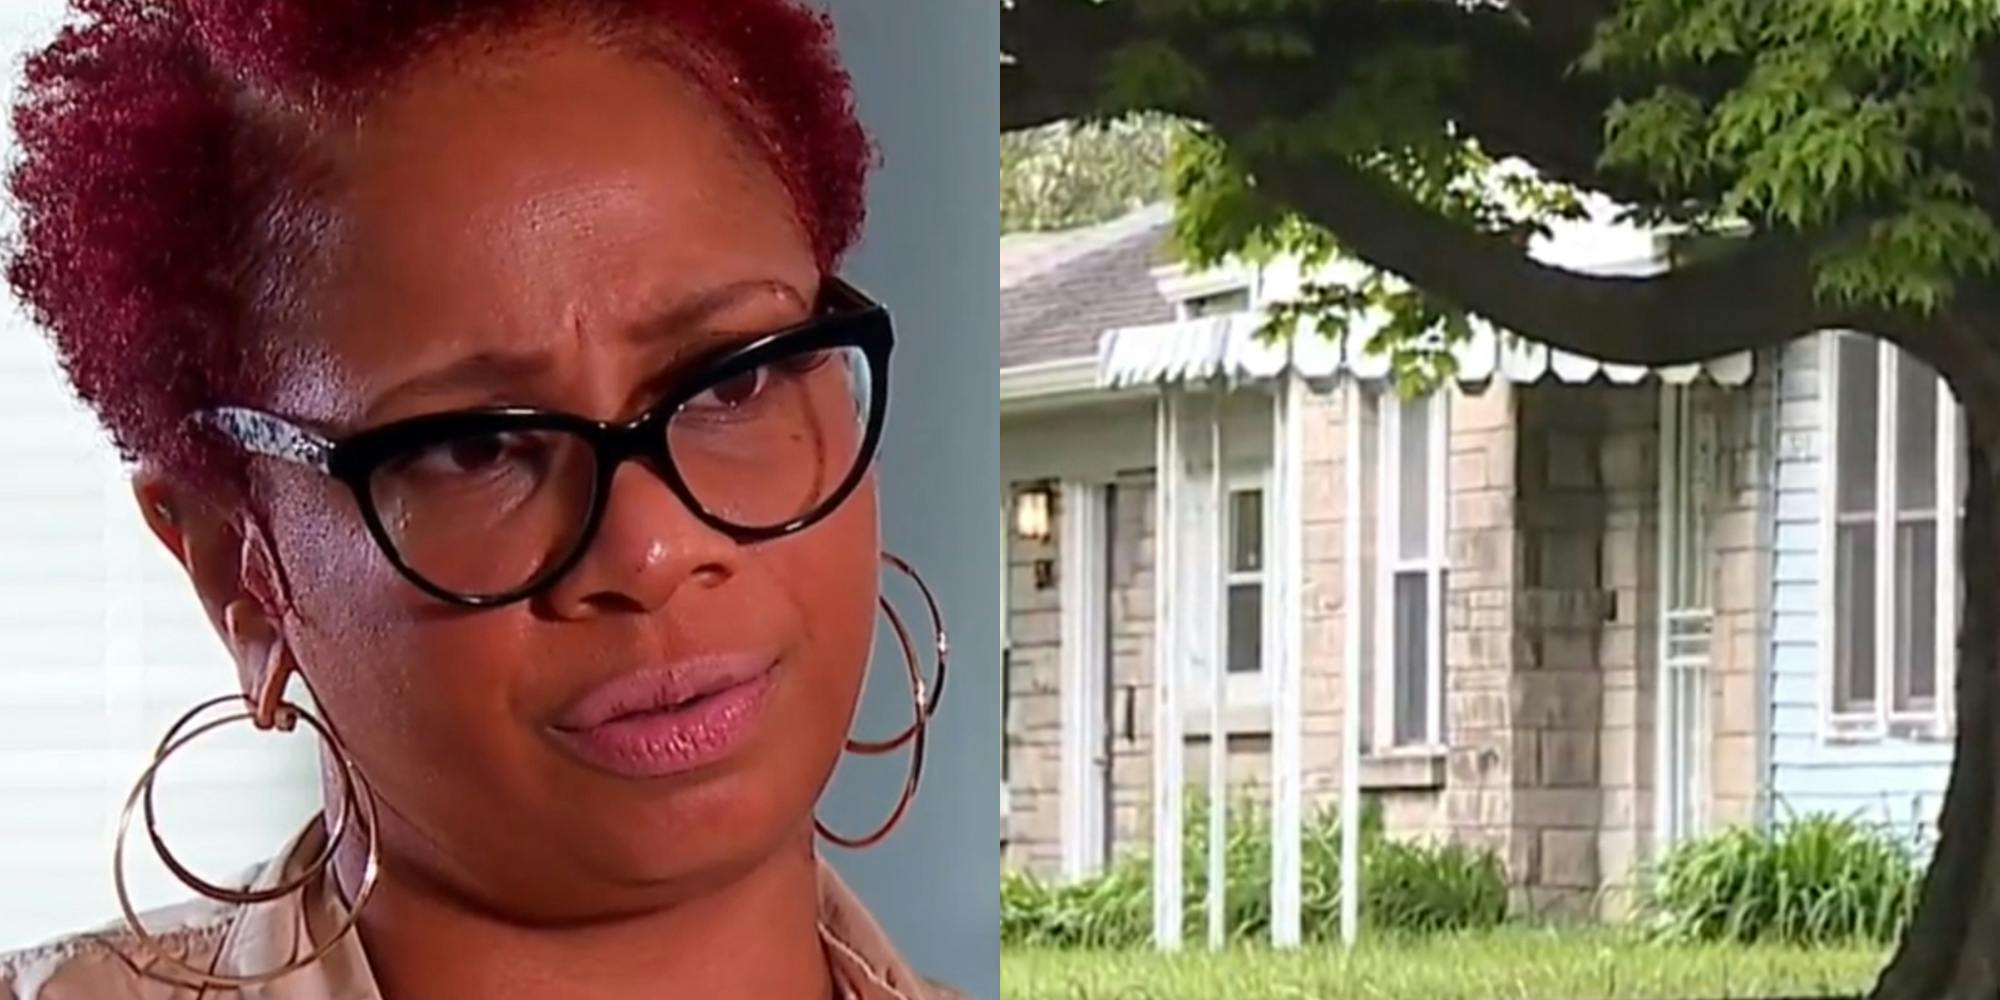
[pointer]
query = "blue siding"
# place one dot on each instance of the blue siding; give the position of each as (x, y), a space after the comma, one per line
(1894, 780)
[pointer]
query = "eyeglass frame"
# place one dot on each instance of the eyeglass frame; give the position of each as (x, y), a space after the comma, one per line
(846, 317)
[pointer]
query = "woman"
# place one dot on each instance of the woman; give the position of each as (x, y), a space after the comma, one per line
(484, 365)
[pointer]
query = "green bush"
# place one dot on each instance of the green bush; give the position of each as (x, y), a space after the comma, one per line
(1406, 887)
(1112, 910)
(1419, 888)
(1811, 881)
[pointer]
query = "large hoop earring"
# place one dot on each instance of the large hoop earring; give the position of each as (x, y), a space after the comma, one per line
(268, 710)
(924, 700)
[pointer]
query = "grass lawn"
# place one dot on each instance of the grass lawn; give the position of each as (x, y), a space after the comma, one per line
(1528, 964)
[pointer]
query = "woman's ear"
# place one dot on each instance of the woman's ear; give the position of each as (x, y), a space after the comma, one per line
(161, 508)
(199, 535)
(253, 641)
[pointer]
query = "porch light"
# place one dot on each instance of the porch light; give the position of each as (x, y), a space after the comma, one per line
(1031, 514)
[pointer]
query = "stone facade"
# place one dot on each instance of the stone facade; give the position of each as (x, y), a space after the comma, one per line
(1482, 760)
(1741, 544)
(1587, 528)
(1032, 733)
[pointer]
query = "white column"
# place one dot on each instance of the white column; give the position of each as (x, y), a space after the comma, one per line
(1353, 621)
(1168, 633)
(1215, 532)
(1082, 590)
(1284, 564)
(1667, 717)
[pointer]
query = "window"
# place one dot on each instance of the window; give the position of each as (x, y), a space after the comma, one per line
(1243, 581)
(1411, 557)
(1238, 543)
(1233, 300)
(1894, 510)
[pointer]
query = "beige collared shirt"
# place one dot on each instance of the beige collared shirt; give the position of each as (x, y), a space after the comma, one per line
(248, 940)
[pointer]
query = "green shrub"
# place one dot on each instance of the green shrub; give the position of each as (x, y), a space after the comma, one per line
(1810, 881)
(1407, 888)
(1419, 888)
(1114, 909)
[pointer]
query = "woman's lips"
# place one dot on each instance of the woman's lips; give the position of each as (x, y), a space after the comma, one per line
(654, 724)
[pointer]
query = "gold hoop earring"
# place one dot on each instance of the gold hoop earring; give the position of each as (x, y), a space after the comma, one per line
(924, 700)
(267, 711)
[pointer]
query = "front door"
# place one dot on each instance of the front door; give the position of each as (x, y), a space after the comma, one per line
(1687, 474)
(1087, 543)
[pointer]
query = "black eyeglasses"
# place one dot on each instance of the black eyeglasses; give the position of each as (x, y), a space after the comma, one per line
(490, 506)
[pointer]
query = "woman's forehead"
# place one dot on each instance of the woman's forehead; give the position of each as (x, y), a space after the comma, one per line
(577, 147)
(576, 196)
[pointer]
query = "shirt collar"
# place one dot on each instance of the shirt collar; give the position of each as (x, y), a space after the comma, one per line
(866, 964)
(864, 960)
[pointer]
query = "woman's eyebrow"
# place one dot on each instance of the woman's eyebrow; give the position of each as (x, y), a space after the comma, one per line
(489, 370)
(700, 308)
(506, 370)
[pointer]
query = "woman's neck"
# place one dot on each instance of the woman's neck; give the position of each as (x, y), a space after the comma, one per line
(753, 938)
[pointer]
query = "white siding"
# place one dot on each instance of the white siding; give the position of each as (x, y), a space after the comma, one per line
(1894, 780)
(101, 645)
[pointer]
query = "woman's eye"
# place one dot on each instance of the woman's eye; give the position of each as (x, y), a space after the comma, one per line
(734, 392)
(470, 455)
(749, 388)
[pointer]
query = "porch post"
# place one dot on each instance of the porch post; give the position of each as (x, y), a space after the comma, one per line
(1214, 532)
(1082, 583)
(1666, 777)
(1168, 635)
(1284, 566)
(1352, 623)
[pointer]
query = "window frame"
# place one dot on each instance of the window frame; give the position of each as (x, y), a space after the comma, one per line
(1199, 306)
(1232, 578)
(1881, 719)
(1389, 565)
(1248, 696)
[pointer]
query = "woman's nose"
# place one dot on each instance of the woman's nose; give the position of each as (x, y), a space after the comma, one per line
(647, 546)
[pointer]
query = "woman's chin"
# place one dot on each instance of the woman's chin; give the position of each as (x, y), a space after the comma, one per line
(721, 827)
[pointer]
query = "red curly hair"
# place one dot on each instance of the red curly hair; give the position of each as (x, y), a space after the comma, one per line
(163, 145)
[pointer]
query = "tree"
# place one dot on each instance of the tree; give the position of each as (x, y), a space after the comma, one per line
(1825, 164)
(1068, 174)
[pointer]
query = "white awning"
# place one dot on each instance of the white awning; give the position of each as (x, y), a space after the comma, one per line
(1228, 348)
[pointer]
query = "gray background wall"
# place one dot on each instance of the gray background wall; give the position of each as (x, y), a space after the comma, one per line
(927, 73)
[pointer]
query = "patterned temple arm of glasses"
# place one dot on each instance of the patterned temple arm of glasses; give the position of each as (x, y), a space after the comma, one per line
(265, 434)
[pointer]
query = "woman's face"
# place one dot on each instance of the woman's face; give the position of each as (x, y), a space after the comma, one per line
(566, 233)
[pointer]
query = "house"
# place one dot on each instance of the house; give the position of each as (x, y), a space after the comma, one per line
(1593, 608)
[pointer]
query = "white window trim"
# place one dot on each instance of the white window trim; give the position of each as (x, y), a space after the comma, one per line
(1180, 284)
(1389, 470)
(1007, 501)
(1247, 708)
(1938, 722)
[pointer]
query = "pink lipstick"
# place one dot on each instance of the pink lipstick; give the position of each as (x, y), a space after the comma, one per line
(666, 721)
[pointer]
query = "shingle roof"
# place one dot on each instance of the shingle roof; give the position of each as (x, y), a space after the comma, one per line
(1060, 291)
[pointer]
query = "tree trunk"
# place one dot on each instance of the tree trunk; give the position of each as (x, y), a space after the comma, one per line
(1952, 947)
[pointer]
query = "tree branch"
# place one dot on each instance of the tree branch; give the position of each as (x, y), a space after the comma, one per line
(1758, 295)
(1517, 95)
